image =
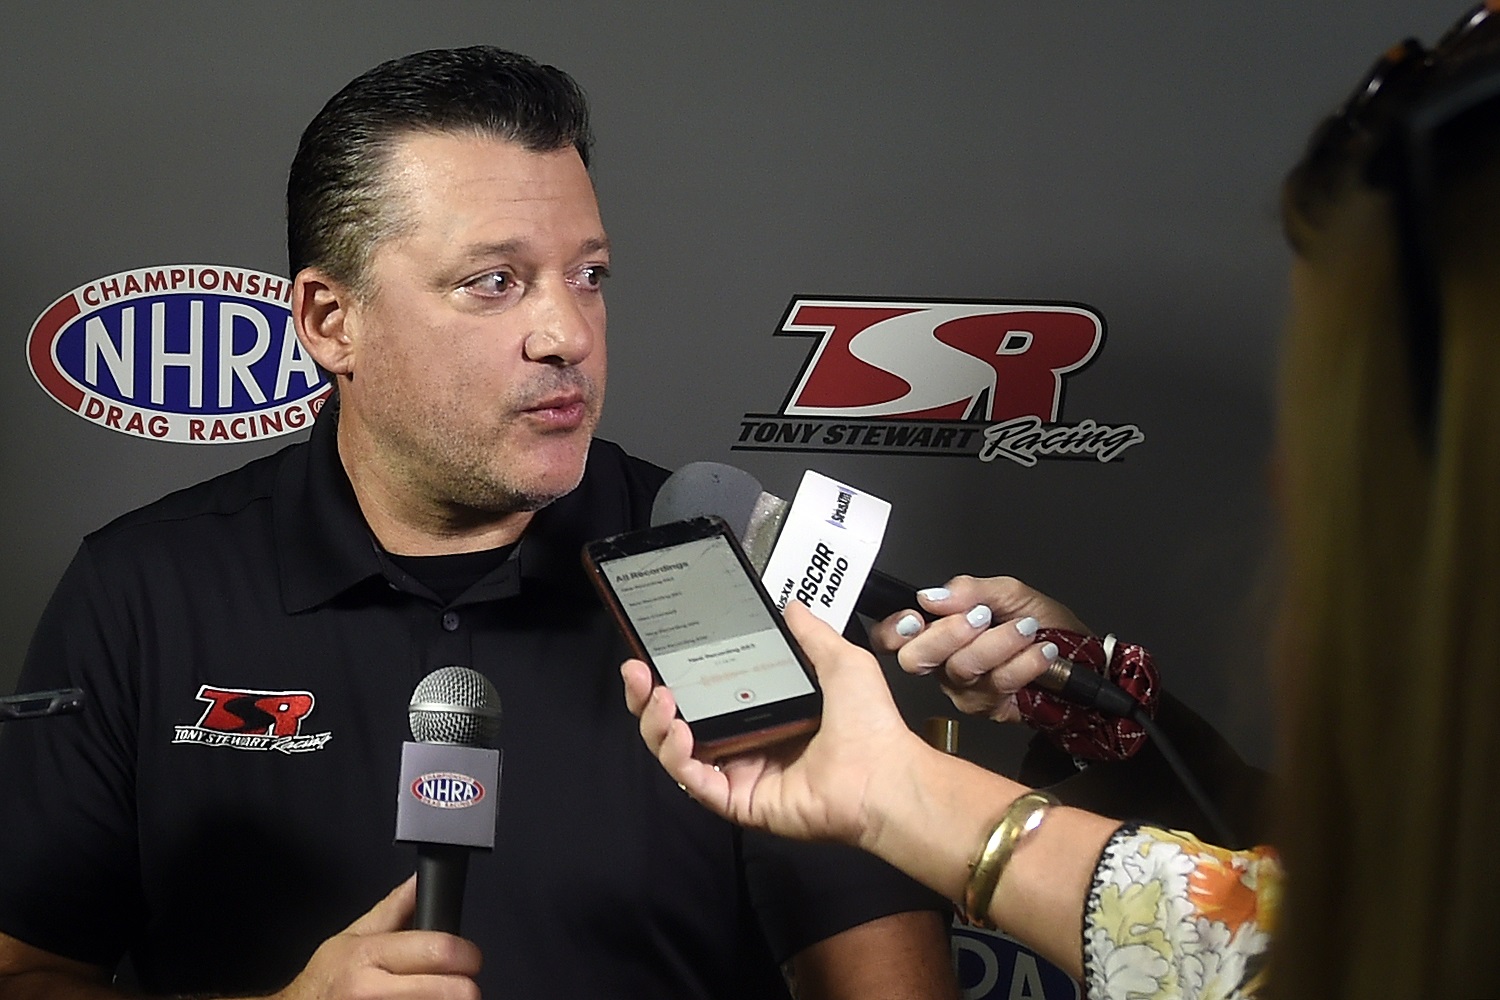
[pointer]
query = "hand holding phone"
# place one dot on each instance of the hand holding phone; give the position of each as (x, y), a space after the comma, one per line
(692, 607)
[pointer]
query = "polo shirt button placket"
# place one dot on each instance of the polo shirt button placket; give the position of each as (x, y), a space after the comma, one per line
(450, 621)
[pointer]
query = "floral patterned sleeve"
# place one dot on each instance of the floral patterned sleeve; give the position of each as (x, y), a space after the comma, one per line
(1171, 916)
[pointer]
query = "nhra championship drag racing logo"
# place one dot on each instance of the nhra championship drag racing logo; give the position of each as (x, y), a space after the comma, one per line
(982, 379)
(448, 790)
(195, 353)
(992, 965)
(253, 720)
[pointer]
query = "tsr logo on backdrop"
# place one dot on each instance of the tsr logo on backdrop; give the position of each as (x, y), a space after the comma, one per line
(981, 379)
(194, 353)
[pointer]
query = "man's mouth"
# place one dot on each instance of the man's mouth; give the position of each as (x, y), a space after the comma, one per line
(561, 411)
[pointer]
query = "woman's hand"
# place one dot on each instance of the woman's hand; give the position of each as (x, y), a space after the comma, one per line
(822, 787)
(980, 668)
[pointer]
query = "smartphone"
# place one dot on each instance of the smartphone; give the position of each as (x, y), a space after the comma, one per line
(691, 605)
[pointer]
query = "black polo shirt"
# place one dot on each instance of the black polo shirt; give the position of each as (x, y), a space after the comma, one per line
(227, 800)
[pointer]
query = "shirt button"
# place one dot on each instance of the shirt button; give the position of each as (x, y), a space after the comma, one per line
(450, 621)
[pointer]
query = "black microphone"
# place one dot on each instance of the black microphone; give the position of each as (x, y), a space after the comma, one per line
(450, 781)
(756, 517)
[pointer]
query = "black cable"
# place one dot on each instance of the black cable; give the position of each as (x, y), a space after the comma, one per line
(1221, 831)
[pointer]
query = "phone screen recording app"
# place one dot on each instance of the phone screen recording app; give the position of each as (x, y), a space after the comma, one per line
(708, 632)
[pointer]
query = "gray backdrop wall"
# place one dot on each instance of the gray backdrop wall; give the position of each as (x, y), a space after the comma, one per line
(1121, 154)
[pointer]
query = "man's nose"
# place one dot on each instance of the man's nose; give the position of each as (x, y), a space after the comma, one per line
(564, 329)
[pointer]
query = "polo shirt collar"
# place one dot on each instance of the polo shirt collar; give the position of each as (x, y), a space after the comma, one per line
(325, 547)
(551, 550)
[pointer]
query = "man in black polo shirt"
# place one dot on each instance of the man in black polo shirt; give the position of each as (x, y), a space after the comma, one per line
(222, 814)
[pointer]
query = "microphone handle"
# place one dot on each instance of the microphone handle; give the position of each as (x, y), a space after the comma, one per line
(883, 595)
(441, 873)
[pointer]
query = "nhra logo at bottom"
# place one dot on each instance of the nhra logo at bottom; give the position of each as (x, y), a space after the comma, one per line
(992, 965)
(447, 790)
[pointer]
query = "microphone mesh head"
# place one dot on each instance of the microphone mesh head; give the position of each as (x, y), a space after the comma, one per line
(455, 705)
(700, 488)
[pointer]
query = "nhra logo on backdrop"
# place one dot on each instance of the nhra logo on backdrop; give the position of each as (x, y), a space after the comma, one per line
(992, 965)
(982, 379)
(245, 719)
(195, 353)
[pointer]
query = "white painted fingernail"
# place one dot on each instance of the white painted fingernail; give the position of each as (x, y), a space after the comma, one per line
(909, 626)
(1027, 626)
(935, 593)
(979, 617)
(1049, 651)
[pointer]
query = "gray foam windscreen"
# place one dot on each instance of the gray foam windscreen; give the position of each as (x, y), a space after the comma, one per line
(455, 705)
(700, 488)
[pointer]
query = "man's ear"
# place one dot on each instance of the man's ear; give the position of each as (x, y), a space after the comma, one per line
(321, 312)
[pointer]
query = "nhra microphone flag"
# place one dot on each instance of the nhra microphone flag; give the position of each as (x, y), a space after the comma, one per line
(447, 794)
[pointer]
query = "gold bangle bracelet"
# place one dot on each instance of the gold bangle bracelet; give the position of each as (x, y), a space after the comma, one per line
(1020, 818)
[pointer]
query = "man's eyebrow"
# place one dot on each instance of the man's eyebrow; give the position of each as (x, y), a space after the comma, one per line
(505, 248)
(479, 251)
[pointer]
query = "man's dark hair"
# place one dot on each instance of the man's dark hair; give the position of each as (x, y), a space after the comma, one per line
(337, 202)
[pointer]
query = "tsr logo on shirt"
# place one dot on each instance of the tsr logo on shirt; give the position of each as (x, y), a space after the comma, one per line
(246, 719)
(985, 379)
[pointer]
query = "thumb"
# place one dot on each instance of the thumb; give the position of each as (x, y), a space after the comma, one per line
(393, 913)
(816, 637)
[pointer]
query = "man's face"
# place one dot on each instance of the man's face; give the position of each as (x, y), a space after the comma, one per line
(477, 372)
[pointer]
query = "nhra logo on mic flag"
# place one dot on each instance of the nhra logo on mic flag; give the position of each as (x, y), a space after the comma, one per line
(447, 790)
(193, 353)
(981, 379)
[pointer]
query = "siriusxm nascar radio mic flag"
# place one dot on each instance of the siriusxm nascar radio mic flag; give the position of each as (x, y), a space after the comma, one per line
(450, 781)
(820, 548)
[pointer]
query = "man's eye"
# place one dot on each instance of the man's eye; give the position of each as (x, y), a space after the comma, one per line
(495, 283)
(593, 276)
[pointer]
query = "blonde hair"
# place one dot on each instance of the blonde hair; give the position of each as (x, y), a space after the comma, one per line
(1389, 658)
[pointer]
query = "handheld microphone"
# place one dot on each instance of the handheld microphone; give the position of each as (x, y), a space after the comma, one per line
(450, 781)
(756, 516)
(710, 488)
